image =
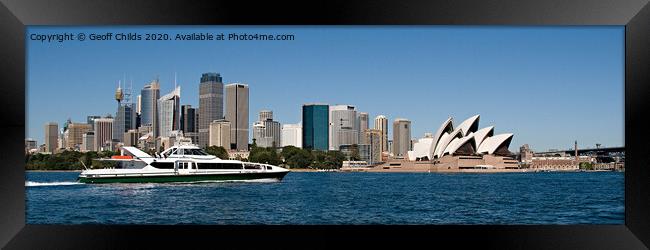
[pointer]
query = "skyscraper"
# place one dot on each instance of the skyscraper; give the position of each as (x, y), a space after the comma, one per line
(51, 136)
(125, 119)
(220, 134)
(291, 135)
(103, 134)
(401, 137)
(149, 106)
(343, 126)
(237, 114)
(266, 131)
(188, 119)
(210, 104)
(75, 134)
(88, 141)
(169, 112)
(362, 120)
(315, 126)
(381, 124)
(373, 137)
(189, 123)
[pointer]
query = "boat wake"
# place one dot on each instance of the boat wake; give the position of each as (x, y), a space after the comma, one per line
(267, 180)
(42, 184)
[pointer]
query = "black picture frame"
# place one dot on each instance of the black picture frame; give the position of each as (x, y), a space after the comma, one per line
(634, 15)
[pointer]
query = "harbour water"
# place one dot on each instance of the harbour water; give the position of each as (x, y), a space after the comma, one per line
(335, 198)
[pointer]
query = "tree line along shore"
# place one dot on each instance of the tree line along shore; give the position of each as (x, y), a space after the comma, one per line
(289, 156)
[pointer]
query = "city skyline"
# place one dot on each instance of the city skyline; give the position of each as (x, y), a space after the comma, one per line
(495, 72)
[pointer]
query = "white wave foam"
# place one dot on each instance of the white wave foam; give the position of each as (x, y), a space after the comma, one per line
(41, 184)
(266, 180)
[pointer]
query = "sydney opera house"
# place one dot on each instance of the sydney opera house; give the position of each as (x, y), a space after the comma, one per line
(457, 148)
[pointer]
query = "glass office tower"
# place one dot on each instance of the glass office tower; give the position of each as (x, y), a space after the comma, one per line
(315, 126)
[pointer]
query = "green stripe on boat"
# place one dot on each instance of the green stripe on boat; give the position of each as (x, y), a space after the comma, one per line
(183, 178)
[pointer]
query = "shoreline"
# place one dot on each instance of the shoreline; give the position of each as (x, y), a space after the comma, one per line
(302, 170)
(53, 170)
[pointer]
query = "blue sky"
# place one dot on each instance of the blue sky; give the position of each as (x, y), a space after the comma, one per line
(547, 85)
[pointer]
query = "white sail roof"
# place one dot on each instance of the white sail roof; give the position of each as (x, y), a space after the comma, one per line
(483, 133)
(491, 144)
(458, 142)
(469, 125)
(445, 140)
(446, 127)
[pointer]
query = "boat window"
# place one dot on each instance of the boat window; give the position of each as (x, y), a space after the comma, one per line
(187, 152)
(219, 165)
(168, 153)
(163, 165)
(269, 168)
(198, 152)
(252, 166)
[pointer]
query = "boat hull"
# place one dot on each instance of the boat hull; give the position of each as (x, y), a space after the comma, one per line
(183, 178)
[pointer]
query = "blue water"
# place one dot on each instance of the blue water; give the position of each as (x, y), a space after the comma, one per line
(336, 198)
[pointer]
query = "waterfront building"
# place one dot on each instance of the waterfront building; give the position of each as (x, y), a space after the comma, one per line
(525, 154)
(363, 151)
(342, 120)
(210, 104)
(237, 113)
(570, 163)
(266, 131)
(315, 126)
(220, 134)
(291, 135)
(51, 136)
(381, 124)
(454, 149)
(103, 134)
(258, 134)
(390, 147)
(169, 112)
(372, 137)
(238, 155)
(74, 134)
(88, 141)
(401, 137)
(362, 121)
(465, 140)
